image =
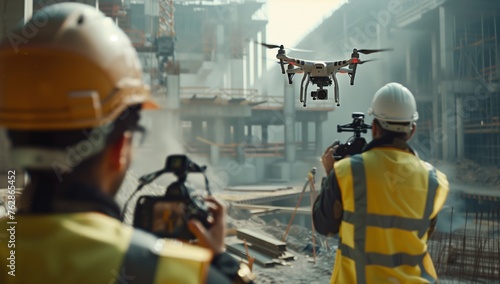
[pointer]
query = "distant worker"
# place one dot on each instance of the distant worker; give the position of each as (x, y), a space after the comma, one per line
(70, 99)
(384, 202)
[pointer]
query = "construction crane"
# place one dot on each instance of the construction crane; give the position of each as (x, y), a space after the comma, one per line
(166, 17)
(165, 37)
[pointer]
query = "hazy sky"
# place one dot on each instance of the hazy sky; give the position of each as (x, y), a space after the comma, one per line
(291, 20)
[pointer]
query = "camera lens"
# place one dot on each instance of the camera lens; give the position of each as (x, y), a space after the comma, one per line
(322, 94)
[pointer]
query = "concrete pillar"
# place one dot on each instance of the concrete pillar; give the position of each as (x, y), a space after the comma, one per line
(237, 73)
(196, 128)
(239, 133)
(210, 129)
(214, 155)
(256, 65)
(263, 66)
(228, 135)
(248, 63)
(305, 135)
(319, 137)
(249, 132)
(448, 104)
(265, 134)
(289, 116)
(435, 146)
(173, 101)
(217, 130)
(408, 65)
(239, 130)
(460, 131)
(221, 47)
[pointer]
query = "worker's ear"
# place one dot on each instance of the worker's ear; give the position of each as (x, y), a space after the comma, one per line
(119, 152)
(375, 129)
(413, 129)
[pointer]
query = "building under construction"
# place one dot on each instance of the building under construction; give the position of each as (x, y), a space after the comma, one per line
(204, 67)
(203, 64)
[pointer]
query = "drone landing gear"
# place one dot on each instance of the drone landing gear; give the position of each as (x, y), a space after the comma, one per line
(336, 89)
(303, 97)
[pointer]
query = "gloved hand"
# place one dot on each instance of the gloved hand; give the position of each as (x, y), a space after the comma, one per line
(327, 159)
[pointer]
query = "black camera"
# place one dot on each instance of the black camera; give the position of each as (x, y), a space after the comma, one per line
(319, 94)
(167, 216)
(355, 144)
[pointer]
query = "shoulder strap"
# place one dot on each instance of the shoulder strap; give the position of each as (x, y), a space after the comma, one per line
(140, 261)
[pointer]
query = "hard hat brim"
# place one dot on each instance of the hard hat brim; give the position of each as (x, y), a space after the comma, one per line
(150, 105)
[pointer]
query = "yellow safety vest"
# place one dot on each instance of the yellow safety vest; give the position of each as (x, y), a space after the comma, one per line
(94, 248)
(389, 197)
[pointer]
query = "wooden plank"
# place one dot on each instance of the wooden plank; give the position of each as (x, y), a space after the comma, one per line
(261, 240)
(260, 258)
(267, 251)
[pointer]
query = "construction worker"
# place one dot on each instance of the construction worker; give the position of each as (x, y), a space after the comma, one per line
(71, 94)
(383, 203)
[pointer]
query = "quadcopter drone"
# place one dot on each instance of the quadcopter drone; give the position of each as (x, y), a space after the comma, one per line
(320, 73)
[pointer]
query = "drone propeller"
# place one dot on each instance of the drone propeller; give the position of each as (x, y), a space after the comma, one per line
(370, 51)
(270, 46)
(273, 46)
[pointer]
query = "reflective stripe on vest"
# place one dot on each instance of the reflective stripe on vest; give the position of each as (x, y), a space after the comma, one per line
(140, 261)
(361, 219)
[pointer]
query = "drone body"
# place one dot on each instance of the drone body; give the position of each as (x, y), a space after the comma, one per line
(319, 73)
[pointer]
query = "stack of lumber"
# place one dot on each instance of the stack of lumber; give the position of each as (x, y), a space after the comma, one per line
(267, 251)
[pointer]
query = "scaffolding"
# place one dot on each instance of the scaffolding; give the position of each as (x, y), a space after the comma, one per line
(476, 59)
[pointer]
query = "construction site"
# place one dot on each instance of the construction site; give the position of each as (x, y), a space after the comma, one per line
(226, 105)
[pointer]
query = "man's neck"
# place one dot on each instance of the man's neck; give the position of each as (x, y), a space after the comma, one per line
(389, 141)
(73, 197)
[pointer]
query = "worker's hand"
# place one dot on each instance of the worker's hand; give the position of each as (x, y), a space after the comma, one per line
(212, 238)
(327, 159)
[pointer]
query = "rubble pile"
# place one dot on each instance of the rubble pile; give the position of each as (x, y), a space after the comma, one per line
(473, 173)
(467, 172)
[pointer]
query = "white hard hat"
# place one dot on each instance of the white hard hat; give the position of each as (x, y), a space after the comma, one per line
(394, 107)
